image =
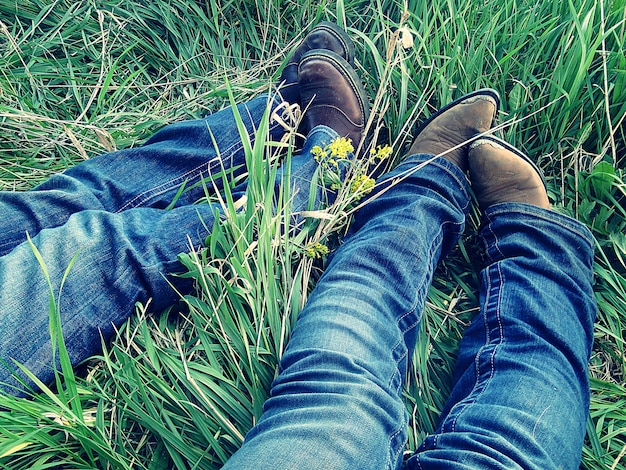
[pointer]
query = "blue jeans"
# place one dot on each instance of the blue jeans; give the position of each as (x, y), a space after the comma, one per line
(520, 395)
(109, 213)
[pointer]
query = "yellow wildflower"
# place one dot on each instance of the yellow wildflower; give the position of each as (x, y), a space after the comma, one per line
(316, 250)
(382, 152)
(340, 147)
(362, 185)
(318, 153)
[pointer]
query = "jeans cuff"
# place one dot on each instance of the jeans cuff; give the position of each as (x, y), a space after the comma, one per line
(320, 131)
(518, 208)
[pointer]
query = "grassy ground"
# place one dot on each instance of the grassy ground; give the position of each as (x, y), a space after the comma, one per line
(81, 78)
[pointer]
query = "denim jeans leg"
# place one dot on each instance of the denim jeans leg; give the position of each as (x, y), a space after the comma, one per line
(336, 403)
(301, 172)
(521, 392)
(149, 176)
(121, 258)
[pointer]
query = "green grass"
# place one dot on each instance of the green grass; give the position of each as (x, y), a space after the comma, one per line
(181, 388)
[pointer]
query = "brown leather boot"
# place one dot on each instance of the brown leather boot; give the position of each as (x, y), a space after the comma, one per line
(332, 95)
(501, 173)
(325, 35)
(449, 130)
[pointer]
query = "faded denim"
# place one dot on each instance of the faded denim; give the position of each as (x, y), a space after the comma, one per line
(521, 395)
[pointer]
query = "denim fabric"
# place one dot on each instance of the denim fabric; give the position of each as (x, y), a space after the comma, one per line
(148, 176)
(336, 403)
(108, 214)
(121, 258)
(521, 395)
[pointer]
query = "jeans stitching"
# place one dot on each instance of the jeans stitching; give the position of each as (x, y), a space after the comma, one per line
(166, 186)
(557, 218)
(397, 452)
(416, 300)
(438, 240)
(487, 349)
(397, 389)
(494, 244)
(437, 243)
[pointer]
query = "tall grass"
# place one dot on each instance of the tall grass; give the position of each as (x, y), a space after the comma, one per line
(181, 388)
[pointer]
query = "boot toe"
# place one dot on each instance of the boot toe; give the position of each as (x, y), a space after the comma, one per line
(326, 36)
(448, 131)
(501, 173)
(332, 94)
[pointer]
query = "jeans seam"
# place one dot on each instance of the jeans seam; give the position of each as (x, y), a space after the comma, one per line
(557, 218)
(495, 243)
(488, 348)
(438, 241)
(397, 452)
(166, 186)
(397, 389)
(403, 423)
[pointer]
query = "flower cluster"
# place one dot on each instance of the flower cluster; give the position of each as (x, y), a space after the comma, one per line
(330, 157)
(319, 154)
(381, 152)
(362, 185)
(336, 164)
(316, 250)
(340, 147)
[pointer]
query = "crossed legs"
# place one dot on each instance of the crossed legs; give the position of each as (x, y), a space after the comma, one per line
(520, 395)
